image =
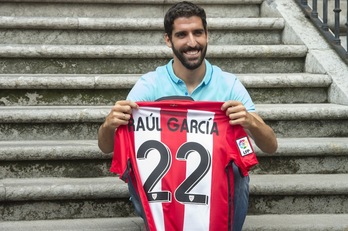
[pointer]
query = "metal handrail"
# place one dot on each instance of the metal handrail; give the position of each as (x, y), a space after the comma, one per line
(332, 35)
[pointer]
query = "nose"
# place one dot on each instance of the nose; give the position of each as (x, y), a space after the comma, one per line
(191, 40)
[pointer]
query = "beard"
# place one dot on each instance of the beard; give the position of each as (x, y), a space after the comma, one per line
(190, 64)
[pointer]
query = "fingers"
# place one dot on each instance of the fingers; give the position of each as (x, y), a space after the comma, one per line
(123, 109)
(237, 113)
(238, 116)
(232, 107)
(129, 103)
(120, 114)
(230, 103)
(124, 106)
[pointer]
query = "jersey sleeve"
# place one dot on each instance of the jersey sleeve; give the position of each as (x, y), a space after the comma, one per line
(123, 148)
(246, 157)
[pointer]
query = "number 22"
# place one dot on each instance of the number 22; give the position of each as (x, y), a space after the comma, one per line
(182, 193)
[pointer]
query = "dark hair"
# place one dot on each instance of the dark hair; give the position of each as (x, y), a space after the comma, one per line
(183, 9)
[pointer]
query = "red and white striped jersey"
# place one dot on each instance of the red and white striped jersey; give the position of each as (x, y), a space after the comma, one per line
(179, 153)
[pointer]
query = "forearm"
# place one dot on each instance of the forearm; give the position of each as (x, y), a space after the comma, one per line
(263, 135)
(105, 139)
(264, 138)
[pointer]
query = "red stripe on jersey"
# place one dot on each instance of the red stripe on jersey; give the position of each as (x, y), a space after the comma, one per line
(177, 172)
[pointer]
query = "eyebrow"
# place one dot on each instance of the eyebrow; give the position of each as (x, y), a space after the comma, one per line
(184, 31)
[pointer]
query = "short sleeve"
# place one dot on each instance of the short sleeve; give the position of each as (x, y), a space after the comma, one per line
(239, 93)
(143, 89)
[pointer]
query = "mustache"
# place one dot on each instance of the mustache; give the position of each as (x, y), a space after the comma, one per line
(196, 48)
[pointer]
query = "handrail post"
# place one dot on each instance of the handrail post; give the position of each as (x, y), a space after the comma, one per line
(315, 9)
(325, 26)
(337, 11)
(347, 31)
(304, 2)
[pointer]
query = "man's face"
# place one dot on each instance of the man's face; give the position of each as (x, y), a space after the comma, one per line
(188, 41)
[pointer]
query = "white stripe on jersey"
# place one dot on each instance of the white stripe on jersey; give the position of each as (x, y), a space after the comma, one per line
(197, 216)
(147, 166)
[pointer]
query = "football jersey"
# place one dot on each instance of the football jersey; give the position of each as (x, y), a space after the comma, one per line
(179, 155)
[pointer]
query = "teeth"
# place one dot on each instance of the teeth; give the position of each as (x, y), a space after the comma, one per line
(192, 52)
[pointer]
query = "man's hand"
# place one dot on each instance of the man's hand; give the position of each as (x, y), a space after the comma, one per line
(119, 115)
(238, 114)
(262, 134)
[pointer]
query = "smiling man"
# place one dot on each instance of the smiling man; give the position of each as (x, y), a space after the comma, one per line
(190, 74)
(187, 35)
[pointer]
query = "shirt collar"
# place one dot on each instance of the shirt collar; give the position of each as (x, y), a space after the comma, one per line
(175, 79)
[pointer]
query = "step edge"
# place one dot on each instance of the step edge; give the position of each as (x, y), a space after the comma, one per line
(142, 24)
(59, 188)
(166, 2)
(281, 80)
(25, 189)
(160, 51)
(295, 222)
(299, 184)
(81, 114)
(31, 150)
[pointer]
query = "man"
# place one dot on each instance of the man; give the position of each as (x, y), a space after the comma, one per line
(190, 74)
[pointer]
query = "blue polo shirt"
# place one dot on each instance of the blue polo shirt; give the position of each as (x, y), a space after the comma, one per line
(216, 85)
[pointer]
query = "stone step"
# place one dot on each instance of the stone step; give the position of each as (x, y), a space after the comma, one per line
(53, 158)
(63, 198)
(66, 198)
(295, 222)
(118, 59)
(281, 88)
(306, 120)
(121, 31)
(71, 158)
(123, 8)
(285, 222)
(55, 89)
(91, 224)
(298, 194)
(82, 122)
(305, 156)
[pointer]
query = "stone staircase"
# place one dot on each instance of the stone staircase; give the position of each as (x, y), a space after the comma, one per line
(63, 63)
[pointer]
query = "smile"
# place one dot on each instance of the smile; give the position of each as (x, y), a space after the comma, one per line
(192, 53)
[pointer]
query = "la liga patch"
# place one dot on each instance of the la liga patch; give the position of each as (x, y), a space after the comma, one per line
(244, 146)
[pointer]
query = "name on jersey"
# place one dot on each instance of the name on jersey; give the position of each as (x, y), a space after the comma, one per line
(151, 123)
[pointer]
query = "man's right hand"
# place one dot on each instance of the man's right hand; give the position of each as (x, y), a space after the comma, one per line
(119, 115)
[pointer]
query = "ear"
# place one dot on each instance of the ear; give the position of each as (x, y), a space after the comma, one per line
(167, 40)
(206, 34)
